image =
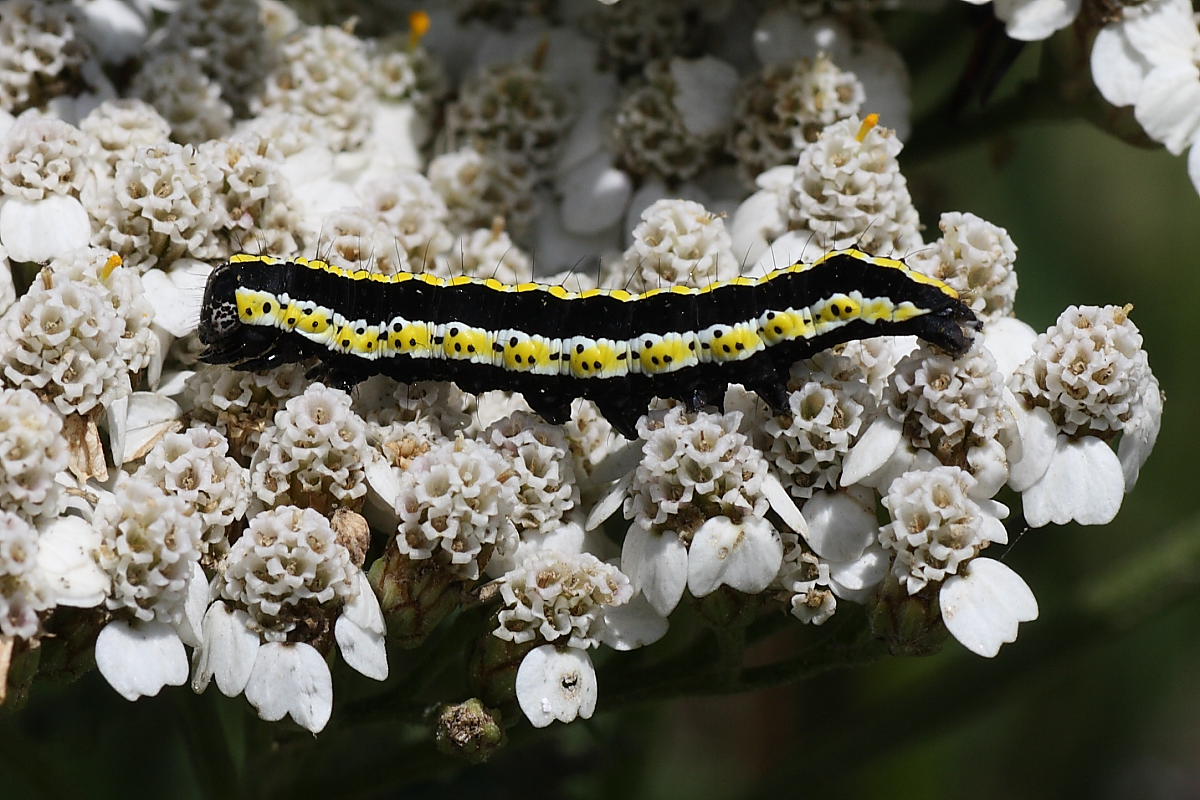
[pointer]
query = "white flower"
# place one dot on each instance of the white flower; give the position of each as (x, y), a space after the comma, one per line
(983, 606)
(785, 33)
(976, 259)
(313, 454)
(698, 470)
(324, 72)
(936, 526)
(291, 679)
(956, 411)
(173, 81)
(559, 596)
(285, 567)
(195, 467)
(229, 647)
(784, 108)
(281, 584)
(806, 577)
(657, 566)
(538, 453)
(39, 230)
(138, 659)
(32, 452)
(679, 242)
(556, 684)
(1148, 59)
(1031, 20)
(237, 403)
(1083, 482)
(1087, 381)
(829, 410)
(151, 541)
(163, 204)
(454, 503)
(478, 186)
(846, 191)
(743, 556)
(23, 589)
(360, 630)
(67, 553)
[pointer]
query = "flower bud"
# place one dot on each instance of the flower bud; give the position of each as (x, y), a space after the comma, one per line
(910, 624)
(470, 731)
(413, 595)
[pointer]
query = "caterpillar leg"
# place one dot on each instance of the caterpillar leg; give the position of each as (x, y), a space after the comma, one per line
(623, 412)
(553, 408)
(333, 377)
(773, 393)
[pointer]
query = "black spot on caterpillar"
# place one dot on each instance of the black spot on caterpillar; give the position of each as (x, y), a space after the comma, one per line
(613, 347)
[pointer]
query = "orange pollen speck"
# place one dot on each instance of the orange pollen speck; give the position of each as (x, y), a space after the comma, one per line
(867, 124)
(112, 263)
(418, 27)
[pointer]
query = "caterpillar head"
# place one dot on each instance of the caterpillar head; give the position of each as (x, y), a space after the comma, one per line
(227, 340)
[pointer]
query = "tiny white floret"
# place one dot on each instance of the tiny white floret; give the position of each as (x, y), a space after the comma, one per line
(291, 679)
(359, 631)
(745, 556)
(39, 230)
(1084, 483)
(983, 606)
(657, 564)
(67, 559)
(140, 659)
(227, 651)
(556, 684)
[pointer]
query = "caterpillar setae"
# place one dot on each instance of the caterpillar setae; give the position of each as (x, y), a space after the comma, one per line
(617, 348)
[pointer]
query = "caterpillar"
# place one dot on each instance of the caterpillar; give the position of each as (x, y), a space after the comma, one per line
(616, 348)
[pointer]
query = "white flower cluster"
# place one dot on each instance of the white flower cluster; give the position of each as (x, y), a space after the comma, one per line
(784, 108)
(195, 467)
(23, 591)
(323, 72)
(512, 109)
(538, 454)
(848, 191)
(120, 128)
(552, 596)
(265, 520)
(454, 504)
(652, 135)
(77, 334)
(480, 186)
(1089, 370)
(42, 156)
(976, 258)
(829, 411)
(936, 525)
(284, 583)
(174, 82)
(679, 242)
(151, 541)
(242, 404)
(32, 453)
(40, 49)
(698, 503)
(950, 407)
(287, 562)
(313, 454)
